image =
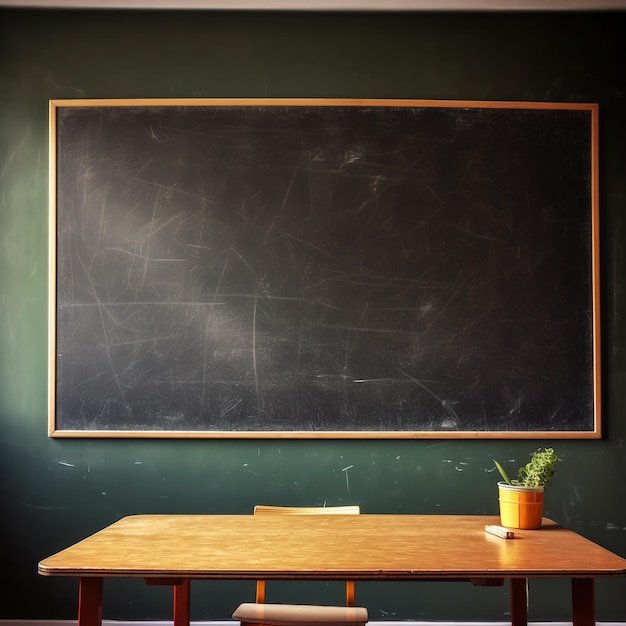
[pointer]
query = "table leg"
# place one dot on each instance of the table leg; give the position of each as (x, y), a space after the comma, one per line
(519, 601)
(181, 603)
(90, 602)
(583, 602)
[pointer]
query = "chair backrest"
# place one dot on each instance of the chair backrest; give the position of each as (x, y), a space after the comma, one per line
(262, 509)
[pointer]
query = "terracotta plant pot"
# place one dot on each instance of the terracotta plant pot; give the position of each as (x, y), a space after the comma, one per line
(520, 507)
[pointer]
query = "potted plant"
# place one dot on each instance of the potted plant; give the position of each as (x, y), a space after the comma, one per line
(521, 499)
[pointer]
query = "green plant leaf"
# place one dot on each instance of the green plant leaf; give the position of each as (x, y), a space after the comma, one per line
(539, 470)
(502, 472)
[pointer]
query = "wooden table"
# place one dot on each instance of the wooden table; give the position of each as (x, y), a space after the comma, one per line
(174, 549)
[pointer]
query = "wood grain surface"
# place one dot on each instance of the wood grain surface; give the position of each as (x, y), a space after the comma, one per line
(361, 547)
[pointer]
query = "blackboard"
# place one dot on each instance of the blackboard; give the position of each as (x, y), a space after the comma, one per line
(323, 268)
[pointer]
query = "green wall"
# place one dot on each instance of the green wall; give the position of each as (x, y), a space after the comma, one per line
(54, 492)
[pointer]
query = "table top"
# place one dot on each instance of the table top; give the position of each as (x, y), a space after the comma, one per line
(357, 547)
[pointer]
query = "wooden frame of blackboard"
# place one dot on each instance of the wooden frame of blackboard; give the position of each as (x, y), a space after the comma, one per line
(403, 314)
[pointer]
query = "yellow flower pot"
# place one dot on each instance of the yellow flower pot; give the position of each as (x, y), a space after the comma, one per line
(520, 507)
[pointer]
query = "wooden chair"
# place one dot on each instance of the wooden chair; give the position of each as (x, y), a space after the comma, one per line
(254, 613)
